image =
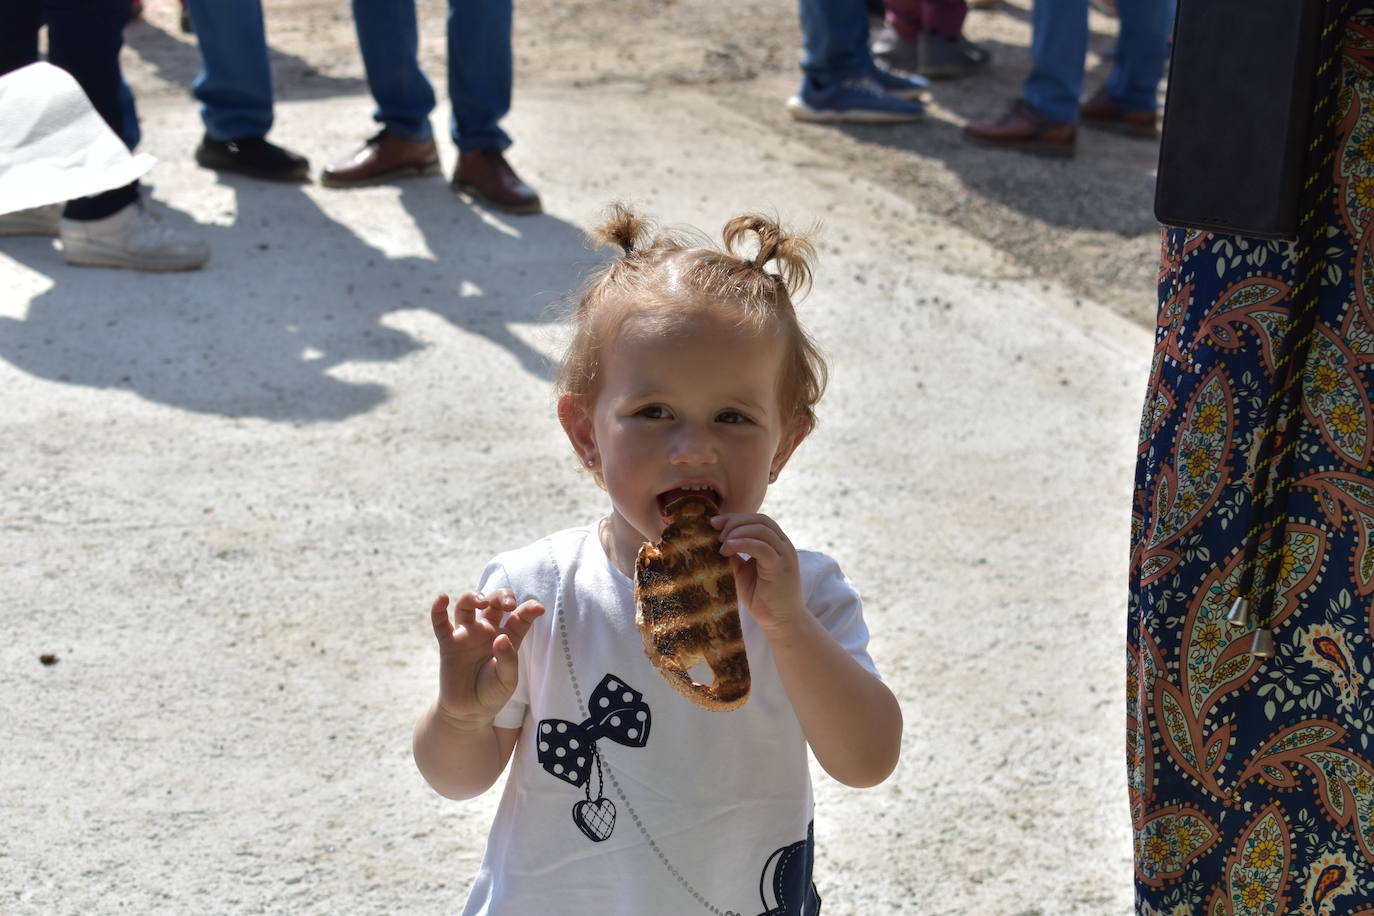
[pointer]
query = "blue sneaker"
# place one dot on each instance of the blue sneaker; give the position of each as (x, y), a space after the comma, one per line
(910, 86)
(858, 100)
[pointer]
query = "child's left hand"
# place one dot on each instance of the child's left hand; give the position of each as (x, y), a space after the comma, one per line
(769, 582)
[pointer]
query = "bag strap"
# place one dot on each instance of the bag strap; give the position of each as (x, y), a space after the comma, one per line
(1280, 435)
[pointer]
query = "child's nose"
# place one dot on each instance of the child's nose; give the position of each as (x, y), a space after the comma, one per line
(693, 446)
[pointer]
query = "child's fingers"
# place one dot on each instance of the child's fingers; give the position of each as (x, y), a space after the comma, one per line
(470, 601)
(761, 551)
(498, 603)
(734, 538)
(520, 620)
(506, 656)
(724, 519)
(731, 525)
(466, 607)
(438, 617)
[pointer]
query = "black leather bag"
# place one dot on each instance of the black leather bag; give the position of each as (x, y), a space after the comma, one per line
(1236, 115)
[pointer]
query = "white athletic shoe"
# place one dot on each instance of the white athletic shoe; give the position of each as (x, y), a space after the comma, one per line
(33, 221)
(134, 237)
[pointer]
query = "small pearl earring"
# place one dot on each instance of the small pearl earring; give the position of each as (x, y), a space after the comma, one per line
(591, 462)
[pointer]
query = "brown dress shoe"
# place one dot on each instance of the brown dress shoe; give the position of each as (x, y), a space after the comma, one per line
(1022, 128)
(485, 175)
(383, 158)
(1101, 112)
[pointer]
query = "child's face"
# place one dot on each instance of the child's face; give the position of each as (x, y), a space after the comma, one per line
(696, 409)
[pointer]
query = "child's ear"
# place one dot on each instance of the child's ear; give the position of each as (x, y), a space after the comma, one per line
(576, 416)
(793, 438)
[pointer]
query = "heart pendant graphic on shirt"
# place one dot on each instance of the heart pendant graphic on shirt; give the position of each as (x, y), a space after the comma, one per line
(595, 818)
(569, 751)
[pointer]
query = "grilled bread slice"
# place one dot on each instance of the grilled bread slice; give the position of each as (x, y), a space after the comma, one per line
(686, 609)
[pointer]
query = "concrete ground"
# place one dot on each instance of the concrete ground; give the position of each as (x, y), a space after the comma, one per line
(228, 497)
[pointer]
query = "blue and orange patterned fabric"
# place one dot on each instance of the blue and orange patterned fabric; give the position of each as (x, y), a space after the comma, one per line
(1251, 780)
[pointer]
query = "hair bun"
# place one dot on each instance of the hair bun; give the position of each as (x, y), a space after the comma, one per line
(665, 279)
(622, 227)
(793, 252)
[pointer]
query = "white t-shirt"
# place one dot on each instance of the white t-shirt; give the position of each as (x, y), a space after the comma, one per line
(624, 798)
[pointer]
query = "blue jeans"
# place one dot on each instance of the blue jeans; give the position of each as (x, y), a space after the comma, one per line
(480, 69)
(835, 39)
(1059, 46)
(234, 87)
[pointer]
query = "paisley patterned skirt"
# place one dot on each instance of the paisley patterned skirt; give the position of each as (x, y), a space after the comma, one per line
(1251, 779)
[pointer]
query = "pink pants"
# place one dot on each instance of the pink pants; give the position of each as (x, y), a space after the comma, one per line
(910, 18)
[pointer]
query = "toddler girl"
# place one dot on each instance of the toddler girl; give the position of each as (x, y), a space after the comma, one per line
(687, 371)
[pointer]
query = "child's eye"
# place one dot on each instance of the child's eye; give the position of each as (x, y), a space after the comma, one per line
(731, 416)
(653, 412)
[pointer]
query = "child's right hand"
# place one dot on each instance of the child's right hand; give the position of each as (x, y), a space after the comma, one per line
(478, 670)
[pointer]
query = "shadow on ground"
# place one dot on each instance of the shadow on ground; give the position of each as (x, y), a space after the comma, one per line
(288, 298)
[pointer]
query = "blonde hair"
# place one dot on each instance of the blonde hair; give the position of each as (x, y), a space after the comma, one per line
(662, 278)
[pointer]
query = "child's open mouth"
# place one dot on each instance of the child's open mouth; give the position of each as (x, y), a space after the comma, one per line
(667, 497)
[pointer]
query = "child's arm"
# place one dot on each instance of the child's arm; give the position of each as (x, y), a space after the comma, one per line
(850, 718)
(457, 746)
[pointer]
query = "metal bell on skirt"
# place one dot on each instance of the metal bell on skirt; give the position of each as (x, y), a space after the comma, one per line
(1239, 615)
(1262, 646)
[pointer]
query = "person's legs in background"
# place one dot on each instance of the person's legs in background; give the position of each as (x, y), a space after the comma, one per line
(234, 89)
(388, 37)
(1059, 50)
(1128, 103)
(480, 75)
(895, 45)
(943, 50)
(834, 40)
(1045, 120)
(840, 81)
(927, 37)
(944, 17)
(114, 228)
(84, 38)
(480, 72)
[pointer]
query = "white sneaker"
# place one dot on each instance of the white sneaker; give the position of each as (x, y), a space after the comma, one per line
(133, 237)
(33, 221)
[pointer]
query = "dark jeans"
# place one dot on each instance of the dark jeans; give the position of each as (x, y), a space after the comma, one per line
(84, 38)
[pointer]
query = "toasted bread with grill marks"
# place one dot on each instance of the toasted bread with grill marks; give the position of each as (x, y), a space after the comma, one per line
(686, 608)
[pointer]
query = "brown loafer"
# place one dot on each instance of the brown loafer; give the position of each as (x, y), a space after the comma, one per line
(485, 175)
(1103, 113)
(383, 158)
(1022, 128)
